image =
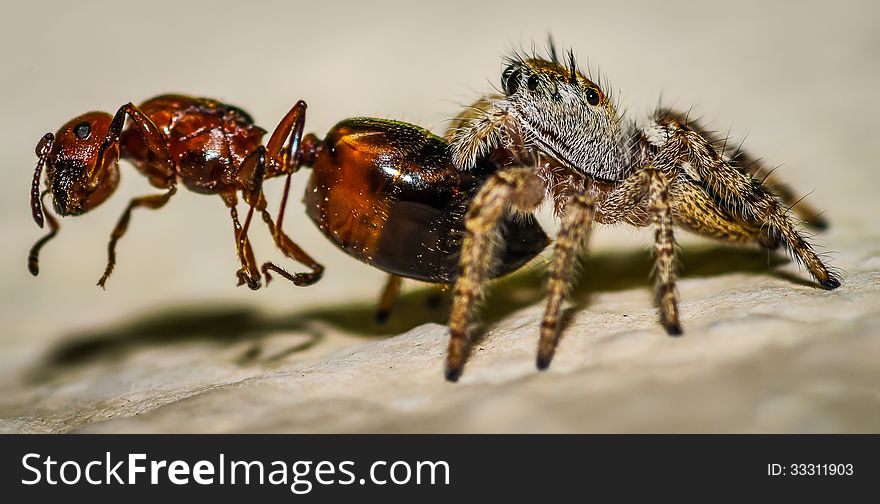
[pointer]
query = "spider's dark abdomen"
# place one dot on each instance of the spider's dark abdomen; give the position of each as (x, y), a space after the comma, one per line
(387, 193)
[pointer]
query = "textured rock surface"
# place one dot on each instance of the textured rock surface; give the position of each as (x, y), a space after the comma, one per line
(761, 354)
(173, 347)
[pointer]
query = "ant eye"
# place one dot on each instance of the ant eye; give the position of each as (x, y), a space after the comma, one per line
(592, 96)
(82, 130)
(532, 83)
(511, 80)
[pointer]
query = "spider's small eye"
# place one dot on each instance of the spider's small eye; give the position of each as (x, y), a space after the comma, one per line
(592, 96)
(532, 83)
(82, 130)
(510, 80)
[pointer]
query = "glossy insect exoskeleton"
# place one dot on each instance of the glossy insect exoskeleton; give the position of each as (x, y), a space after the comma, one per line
(387, 193)
(384, 191)
(211, 147)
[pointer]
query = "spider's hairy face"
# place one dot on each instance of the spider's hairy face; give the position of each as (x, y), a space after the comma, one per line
(566, 116)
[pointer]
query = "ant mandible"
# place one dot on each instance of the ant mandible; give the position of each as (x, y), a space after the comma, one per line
(212, 147)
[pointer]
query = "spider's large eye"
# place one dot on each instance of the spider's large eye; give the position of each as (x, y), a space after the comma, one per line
(592, 96)
(532, 82)
(510, 80)
(82, 130)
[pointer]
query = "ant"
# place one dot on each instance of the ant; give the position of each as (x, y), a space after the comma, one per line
(374, 182)
(212, 147)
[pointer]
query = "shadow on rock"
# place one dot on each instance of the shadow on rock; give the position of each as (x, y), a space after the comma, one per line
(224, 326)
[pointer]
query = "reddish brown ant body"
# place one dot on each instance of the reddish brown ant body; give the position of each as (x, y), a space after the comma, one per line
(211, 147)
(384, 191)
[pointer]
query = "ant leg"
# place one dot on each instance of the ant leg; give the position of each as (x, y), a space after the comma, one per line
(291, 127)
(288, 161)
(108, 153)
(250, 176)
(152, 202)
(572, 238)
(34, 256)
(745, 196)
(248, 273)
(517, 189)
(386, 301)
(293, 251)
(152, 136)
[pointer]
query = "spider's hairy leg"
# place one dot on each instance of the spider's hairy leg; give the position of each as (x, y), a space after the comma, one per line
(811, 217)
(744, 161)
(511, 189)
(478, 129)
(743, 195)
(572, 238)
(695, 210)
(664, 251)
(644, 198)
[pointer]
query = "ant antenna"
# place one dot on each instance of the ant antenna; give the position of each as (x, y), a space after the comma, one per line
(42, 151)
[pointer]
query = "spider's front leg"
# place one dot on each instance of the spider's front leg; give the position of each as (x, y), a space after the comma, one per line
(574, 232)
(480, 129)
(641, 198)
(511, 189)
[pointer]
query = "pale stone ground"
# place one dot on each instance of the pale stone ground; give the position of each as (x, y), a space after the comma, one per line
(172, 346)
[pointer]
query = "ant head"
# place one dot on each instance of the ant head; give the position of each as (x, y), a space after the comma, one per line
(565, 115)
(81, 165)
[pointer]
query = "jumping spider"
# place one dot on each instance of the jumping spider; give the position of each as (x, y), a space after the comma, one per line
(560, 138)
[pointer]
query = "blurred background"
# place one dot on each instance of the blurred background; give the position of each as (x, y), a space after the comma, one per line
(799, 79)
